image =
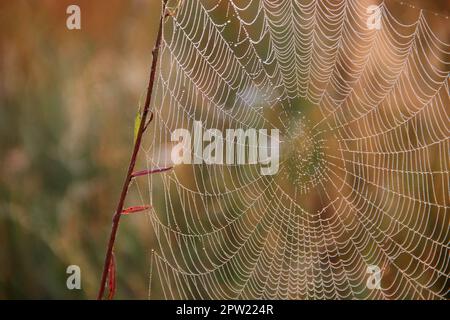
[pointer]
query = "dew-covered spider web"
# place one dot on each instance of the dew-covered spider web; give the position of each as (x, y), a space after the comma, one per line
(363, 183)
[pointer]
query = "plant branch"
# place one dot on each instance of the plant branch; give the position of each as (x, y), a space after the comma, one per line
(137, 145)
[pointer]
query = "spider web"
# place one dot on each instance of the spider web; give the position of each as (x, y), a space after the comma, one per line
(364, 169)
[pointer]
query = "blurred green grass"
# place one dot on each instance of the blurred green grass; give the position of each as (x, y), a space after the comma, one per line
(67, 101)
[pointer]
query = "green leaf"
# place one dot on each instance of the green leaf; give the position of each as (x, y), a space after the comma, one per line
(137, 124)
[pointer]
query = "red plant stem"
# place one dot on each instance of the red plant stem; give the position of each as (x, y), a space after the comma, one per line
(137, 145)
(112, 277)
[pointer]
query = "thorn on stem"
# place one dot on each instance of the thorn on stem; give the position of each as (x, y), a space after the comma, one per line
(149, 171)
(148, 121)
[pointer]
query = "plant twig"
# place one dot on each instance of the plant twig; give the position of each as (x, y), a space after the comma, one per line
(129, 176)
(112, 277)
(149, 172)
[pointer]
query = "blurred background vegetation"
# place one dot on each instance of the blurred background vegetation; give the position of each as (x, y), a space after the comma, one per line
(67, 104)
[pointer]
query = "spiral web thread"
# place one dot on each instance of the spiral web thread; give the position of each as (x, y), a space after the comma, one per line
(364, 182)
